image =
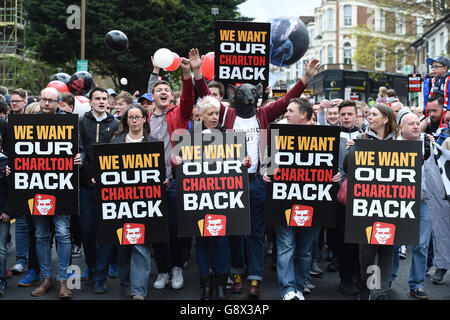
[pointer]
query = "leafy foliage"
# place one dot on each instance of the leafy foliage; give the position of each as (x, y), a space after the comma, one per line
(149, 25)
(30, 75)
(433, 8)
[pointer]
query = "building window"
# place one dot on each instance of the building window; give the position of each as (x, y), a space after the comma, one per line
(441, 43)
(347, 15)
(347, 53)
(380, 20)
(330, 54)
(400, 60)
(400, 24)
(433, 48)
(379, 58)
(319, 24)
(330, 19)
(419, 26)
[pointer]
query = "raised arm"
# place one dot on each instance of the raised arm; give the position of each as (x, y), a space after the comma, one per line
(277, 108)
(154, 76)
(187, 92)
(200, 81)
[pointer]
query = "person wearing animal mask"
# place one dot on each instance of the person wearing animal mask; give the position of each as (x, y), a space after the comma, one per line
(244, 116)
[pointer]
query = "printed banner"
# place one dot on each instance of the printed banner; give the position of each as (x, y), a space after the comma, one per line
(278, 93)
(414, 83)
(43, 179)
(242, 52)
(131, 197)
(383, 196)
(302, 162)
(212, 185)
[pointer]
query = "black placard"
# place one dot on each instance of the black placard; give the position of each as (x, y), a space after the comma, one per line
(414, 83)
(242, 51)
(43, 179)
(212, 185)
(303, 161)
(383, 196)
(131, 197)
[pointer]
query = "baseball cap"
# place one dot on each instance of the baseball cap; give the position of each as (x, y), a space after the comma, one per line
(147, 96)
(111, 92)
(440, 59)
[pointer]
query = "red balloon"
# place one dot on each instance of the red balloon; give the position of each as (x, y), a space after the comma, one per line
(58, 85)
(175, 63)
(207, 67)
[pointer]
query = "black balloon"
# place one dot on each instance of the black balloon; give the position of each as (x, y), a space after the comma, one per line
(116, 41)
(81, 83)
(61, 76)
(289, 40)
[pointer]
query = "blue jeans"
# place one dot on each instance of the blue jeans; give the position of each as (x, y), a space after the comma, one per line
(395, 262)
(255, 240)
(294, 256)
(219, 256)
(97, 257)
(64, 247)
(22, 230)
(4, 230)
(418, 268)
(237, 254)
(134, 268)
(316, 247)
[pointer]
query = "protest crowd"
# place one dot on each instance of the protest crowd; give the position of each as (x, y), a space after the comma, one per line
(228, 262)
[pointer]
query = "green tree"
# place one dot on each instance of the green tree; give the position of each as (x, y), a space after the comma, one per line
(387, 47)
(149, 25)
(435, 9)
(29, 74)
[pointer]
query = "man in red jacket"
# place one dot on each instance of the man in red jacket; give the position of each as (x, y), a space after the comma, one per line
(164, 120)
(255, 123)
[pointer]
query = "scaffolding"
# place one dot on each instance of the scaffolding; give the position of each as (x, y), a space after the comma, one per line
(12, 32)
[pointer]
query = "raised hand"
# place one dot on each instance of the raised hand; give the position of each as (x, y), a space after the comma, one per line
(155, 67)
(185, 66)
(311, 67)
(194, 57)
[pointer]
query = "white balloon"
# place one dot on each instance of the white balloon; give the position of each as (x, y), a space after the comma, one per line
(163, 58)
(124, 81)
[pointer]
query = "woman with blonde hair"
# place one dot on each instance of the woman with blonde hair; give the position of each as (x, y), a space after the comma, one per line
(382, 95)
(33, 108)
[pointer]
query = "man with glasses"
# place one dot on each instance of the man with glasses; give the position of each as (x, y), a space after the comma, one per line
(18, 101)
(439, 84)
(50, 103)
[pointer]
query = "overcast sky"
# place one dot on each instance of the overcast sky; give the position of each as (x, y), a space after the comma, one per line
(263, 10)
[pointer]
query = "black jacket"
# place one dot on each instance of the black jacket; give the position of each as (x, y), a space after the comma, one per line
(121, 139)
(94, 132)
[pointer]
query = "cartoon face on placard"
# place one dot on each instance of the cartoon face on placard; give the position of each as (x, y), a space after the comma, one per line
(213, 225)
(42, 205)
(381, 233)
(132, 233)
(299, 216)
